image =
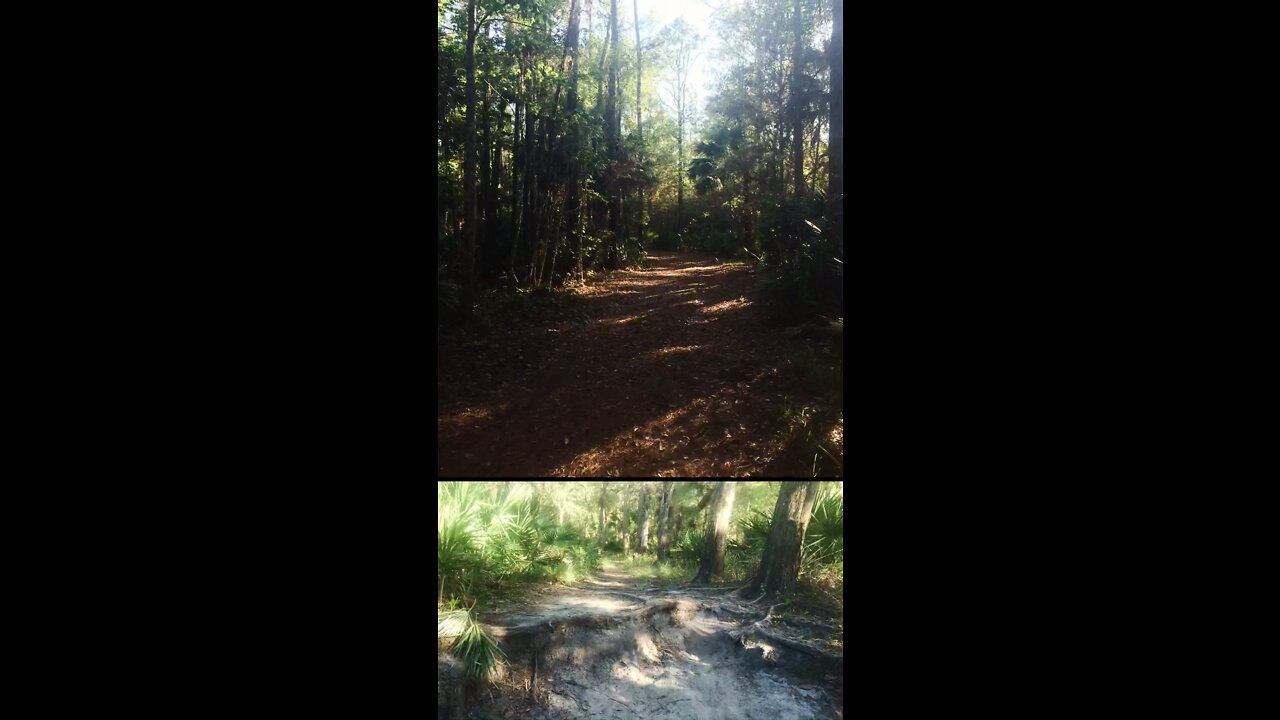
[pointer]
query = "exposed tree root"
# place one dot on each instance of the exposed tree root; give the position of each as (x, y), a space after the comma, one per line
(796, 645)
(650, 659)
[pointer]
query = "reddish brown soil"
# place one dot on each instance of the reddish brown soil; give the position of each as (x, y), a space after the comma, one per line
(675, 370)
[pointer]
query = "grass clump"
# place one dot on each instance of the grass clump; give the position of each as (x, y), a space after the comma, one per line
(479, 653)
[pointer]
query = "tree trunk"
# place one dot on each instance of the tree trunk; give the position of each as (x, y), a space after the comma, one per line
(680, 160)
(639, 132)
(835, 191)
(604, 54)
(469, 170)
(517, 157)
(571, 201)
(711, 568)
(643, 529)
(780, 565)
(797, 116)
(600, 536)
(487, 209)
(681, 74)
(613, 143)
(499, 183)
(664, 516)
(529, 221)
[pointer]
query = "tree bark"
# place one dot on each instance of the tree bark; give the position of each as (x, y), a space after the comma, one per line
(643, 529)
(711, 568)
(780, 565)
(664, 517)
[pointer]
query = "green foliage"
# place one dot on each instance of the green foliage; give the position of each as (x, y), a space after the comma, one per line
(479, 652)
(690, 545)
(818, 371)
(824, 540)
(646, 565)
(755, 529)
(484, 543)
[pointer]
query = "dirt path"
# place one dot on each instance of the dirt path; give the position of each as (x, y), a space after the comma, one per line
(621, 647)
(671, 371)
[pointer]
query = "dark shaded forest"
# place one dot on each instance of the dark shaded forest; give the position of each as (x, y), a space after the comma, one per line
(640, 238)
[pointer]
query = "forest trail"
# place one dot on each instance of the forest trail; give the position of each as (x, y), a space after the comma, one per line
(672, 371)
(625, 647)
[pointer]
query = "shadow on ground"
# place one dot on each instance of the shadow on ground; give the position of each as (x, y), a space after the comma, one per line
(674, 371)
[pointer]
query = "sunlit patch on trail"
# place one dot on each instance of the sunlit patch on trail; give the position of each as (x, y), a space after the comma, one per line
(597, 603)
(725, 306)
(469, 416)
(674, 350)
(714, 435)
(620, 321)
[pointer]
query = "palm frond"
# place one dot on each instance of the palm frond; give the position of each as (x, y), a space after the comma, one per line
(479, 652)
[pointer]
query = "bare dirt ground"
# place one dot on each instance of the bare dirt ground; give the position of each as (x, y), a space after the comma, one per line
(621, 648)
(672, 371)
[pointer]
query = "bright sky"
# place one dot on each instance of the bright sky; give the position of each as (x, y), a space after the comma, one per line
(656, 14)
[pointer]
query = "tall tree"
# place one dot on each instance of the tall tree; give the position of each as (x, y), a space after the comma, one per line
(684, 43)
(797, 105)
(835, 188)
(517, 156)
(780, 565)
(570, 56)
(711, 567)
(635, 10)
(469, 169)
(664, 518)
(572, 201)
(643, 528)
(613, 142)
(487, 223)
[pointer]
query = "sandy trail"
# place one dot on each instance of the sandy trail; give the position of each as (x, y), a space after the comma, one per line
(620, 647)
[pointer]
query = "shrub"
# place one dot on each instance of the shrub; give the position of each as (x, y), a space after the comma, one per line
(479, 653)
